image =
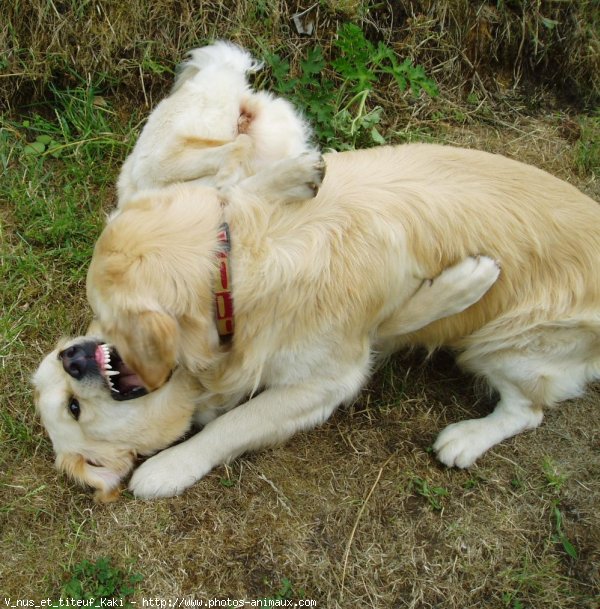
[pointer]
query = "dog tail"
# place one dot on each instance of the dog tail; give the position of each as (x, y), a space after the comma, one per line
(221, 55)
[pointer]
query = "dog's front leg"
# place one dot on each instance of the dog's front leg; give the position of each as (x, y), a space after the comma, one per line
(271, 417)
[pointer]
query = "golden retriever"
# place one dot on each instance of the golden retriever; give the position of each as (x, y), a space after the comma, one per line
(213, 128)
(322, 290)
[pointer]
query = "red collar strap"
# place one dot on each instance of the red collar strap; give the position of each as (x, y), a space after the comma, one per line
(223, 296)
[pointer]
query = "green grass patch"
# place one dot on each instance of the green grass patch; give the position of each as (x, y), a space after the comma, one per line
(433, 494)
(587, 151)
(60, 172)
(284, 592)
(555, 482)
(98, 582)
(59, 163)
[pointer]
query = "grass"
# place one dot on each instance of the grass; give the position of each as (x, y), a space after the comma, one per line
(588, 145)
(357, 512)
(51, 213)
(432, 494)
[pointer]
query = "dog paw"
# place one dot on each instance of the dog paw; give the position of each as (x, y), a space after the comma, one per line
(290, 180)
(302, 176)
(315, 171)
(234, 169)
(461, 444)
(466, 282)
(166, 474)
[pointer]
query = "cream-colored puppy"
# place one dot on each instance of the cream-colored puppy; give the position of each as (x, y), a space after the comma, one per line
(321, 291)
(213, 128)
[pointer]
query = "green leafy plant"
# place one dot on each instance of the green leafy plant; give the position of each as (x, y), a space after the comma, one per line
(285, 592)
(559, 534)
(310, 91)
(431, 493)
(43, 144)
(98, 581)
(362, 64)
(80, 123)
(226, 482)
(554, 479)
(509, 600)
(587, 149)
(337, 94)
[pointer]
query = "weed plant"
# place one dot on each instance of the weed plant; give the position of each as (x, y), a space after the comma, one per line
(337, 95)
(97, 582)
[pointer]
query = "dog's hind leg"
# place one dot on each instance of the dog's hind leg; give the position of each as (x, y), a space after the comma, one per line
(538, 367)
(461, 444)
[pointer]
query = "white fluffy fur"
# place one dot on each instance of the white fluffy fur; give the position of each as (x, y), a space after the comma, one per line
(213, 128)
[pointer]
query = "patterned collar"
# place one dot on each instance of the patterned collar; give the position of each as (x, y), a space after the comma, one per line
(222, 290)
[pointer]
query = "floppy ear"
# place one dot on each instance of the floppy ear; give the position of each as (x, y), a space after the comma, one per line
(148, 344)
(106, 482)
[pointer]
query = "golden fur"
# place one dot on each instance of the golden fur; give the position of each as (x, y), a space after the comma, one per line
(324, 288)
(212, 129)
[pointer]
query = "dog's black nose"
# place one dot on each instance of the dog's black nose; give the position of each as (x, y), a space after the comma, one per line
(74, 361)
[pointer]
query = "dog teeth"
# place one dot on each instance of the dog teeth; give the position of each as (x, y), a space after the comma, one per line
(107, 362)
(106, 352)
(108, 371)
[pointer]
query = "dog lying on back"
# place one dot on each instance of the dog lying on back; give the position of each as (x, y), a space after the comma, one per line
(321, 291)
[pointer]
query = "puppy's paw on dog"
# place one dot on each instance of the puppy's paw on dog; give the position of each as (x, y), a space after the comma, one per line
(290, 180)
(314, 171)
(301, 177)
(236, 166)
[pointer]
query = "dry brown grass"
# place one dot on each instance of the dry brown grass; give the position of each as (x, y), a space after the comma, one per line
(340, 510)
(484, 46)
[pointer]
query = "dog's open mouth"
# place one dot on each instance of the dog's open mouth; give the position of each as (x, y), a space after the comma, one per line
(123, 382)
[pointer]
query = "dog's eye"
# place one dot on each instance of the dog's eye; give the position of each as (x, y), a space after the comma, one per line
(74, 408)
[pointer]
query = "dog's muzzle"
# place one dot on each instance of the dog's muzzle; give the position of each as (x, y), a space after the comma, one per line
(91, 358)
